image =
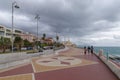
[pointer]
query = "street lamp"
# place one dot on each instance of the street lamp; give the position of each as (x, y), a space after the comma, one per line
(37, 17)
(14, 5)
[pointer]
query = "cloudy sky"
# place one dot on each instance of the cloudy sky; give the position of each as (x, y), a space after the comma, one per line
(85, 22)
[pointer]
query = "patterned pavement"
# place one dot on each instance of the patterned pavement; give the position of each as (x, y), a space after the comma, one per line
(68, 65)
(58, 62)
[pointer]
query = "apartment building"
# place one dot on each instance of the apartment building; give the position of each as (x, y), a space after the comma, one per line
(28, 36)
(7, 32)
(2, 30)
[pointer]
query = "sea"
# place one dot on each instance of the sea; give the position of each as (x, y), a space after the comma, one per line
(109, 50)
(112, 51)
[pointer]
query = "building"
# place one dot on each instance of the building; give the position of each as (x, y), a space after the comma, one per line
(2, 30)
(69, 43)
(29, 37)
(7, 32)
(48, 40)
(16, 32)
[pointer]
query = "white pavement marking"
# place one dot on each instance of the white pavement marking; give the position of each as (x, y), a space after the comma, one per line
(33, 76)
(14, 75)
(33, 66)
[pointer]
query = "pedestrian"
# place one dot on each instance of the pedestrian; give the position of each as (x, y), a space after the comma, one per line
(92, 50)
(85, 50)
(89, 50)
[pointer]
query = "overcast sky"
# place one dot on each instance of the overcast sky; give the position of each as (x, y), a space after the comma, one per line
(84, 22)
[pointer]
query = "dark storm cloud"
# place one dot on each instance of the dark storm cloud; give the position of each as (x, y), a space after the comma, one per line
(67, 17)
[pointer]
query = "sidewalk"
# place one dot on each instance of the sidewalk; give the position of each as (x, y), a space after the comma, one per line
(71, 64)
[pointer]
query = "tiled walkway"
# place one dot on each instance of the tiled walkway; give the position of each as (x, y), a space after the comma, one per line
(68, 65)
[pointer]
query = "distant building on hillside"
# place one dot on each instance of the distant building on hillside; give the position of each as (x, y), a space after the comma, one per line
(69, 43)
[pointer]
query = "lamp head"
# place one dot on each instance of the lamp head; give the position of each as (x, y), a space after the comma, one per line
(37, 17)
(16, 6)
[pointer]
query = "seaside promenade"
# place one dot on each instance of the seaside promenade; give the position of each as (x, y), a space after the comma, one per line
(71, 64)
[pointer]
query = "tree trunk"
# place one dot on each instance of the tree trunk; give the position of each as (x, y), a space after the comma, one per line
(20, 47)
(17, 47)
(4, 49)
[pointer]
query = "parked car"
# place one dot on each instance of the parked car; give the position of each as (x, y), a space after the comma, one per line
(29, 48)
(50, 47)
(23, 48)
(46, 47)
(40, 50)
(15, 49)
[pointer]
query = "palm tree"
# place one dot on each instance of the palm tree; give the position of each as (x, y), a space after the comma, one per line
(33, 44)
(7, 43)
(18, 42)
(44, 36)
(4, 43)
(57, 38)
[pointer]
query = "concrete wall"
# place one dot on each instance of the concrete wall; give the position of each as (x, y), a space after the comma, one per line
(14, 63)
(114, 68)
(6, 58)
(13, 59)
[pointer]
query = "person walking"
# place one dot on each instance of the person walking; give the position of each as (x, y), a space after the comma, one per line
(89, 50)
(92, 50)
(85, 50)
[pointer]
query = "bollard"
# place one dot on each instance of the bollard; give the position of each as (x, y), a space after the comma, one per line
(100, 52)
(107, 55)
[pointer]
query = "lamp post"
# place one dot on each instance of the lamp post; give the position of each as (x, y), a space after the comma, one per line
(14, 5)
(37, 17)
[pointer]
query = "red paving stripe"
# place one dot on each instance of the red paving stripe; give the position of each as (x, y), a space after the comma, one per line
(90, 72)
(78, 73)
(21, 70)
